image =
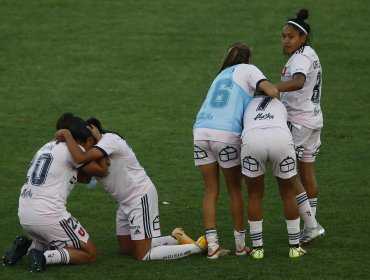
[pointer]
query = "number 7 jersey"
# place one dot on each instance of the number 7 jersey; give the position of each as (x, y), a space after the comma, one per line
(303, 105)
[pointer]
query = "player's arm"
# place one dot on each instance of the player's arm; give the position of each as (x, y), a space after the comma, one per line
(78, 155)
(268, 88)
(296, 83)
(97, 168)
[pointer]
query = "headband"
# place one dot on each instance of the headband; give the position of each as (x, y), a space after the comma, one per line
(300, 27)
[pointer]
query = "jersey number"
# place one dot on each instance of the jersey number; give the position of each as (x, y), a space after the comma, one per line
(316, 89)
(221, 94)
(41, 169)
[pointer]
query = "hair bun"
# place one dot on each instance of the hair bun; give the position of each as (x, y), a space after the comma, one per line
(302, 14)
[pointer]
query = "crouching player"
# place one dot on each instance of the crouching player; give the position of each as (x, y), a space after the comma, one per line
(266, 139)
(57, 237)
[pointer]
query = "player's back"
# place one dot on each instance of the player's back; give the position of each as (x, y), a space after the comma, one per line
(127, 180)
(50, 178)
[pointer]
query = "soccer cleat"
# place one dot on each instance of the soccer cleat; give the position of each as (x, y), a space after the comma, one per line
(309, 234)
(202, 243)
(242, 251)
(296, 252)
(257, 253)
(217, 252)
(38, 260)
(181, 236)
(18, 250)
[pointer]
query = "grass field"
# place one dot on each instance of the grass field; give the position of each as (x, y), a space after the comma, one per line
(143, 68)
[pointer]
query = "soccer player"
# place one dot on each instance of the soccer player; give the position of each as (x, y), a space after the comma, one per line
(300, 87)
(137, 220)
(57, 236)
(267, 139)
(217, 131)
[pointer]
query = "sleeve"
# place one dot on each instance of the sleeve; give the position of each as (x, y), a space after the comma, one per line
(300, 64)
(255, 77)
(106, 144)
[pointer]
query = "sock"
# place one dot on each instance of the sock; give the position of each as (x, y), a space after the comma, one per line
(293, 231)
(239, 239)
(164, 240)
(171, 252)
(212, 238)
(305, 210)
(255, 228)
(313, 204)
(56, 256)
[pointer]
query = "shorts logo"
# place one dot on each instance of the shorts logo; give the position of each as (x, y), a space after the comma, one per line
(81, 232)
(251, 164)
(156, 225)
(199, 153)
(137, 231)
(287, 165)
(132, 220)
(316, 152)
(228, 153)
(299, 151)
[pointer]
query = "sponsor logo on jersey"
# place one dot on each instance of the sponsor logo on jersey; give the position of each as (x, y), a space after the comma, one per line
(26, 193)
(262, 116)
(132, 220)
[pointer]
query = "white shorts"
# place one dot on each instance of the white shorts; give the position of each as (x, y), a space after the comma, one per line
(306, 141)
(141, 220)
(65, 233)
(261, 146)
(227, 155)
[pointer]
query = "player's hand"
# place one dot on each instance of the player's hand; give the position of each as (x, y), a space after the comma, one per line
(60, 135)
(95, 133)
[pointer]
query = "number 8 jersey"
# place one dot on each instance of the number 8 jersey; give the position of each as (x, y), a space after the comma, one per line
(227, 99)
(304, 105)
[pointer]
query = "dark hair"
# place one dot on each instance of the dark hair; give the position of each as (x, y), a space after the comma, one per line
(302, 15)
(236, 54)
(66, 120)
(79, 131)
(96, 122)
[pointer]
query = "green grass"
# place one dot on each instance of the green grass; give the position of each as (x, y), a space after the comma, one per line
(143, 68)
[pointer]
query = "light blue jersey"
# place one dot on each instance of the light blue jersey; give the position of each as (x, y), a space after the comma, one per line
(225, 103)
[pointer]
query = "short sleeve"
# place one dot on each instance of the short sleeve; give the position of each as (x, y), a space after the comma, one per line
(300, 64)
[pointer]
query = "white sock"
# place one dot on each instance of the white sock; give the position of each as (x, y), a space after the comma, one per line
(164, 240)
(239, 239)
(305, 210)
(212, 238)
(255, 228)
(56, 256)
(313, 204)
(171, 252)
(293, 231)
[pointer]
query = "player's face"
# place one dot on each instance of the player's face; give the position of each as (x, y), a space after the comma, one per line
(292, 40)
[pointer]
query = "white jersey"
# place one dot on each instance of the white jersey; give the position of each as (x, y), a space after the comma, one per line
(50, 178)
(304, 105)
(127, 180)
(264, 112)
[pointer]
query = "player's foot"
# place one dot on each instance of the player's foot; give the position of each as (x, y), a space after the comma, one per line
(182, 237)
(215, 253)
(296, 252)
(38, 261)
(309, 234)
(257, 253)
(17, 251)
(202, 243)
(241, 251)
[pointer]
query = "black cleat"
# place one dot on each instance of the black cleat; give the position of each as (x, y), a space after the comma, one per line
(18, 250)
(38, 261)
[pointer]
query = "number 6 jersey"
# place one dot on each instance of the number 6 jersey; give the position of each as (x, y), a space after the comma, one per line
(304, 105)
(51, 176)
